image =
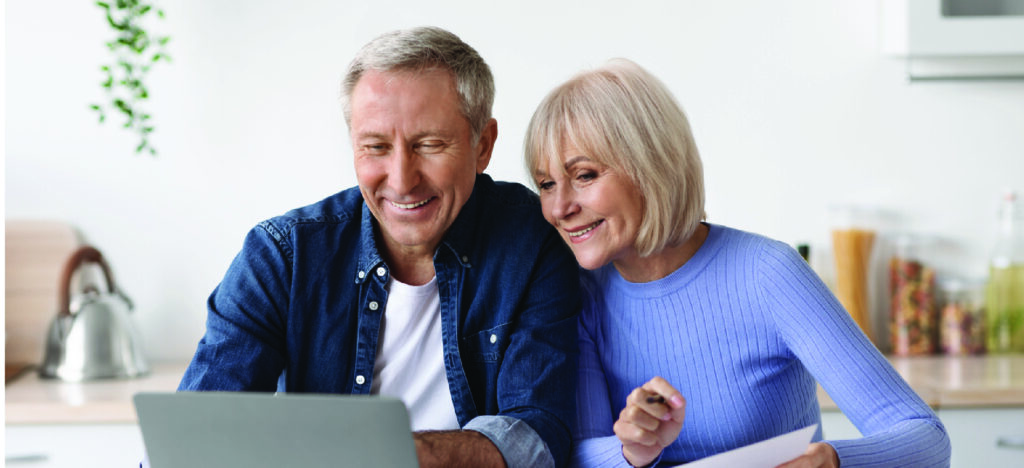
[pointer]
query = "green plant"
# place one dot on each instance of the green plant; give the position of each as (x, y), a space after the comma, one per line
(135, 50)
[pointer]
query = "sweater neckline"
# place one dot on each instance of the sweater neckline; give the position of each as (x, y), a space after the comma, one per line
(678, 278)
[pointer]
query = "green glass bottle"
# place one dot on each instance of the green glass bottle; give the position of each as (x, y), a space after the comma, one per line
(1004, 295)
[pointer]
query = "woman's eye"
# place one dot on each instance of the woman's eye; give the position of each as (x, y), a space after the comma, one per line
(586, 176)
(546, 185)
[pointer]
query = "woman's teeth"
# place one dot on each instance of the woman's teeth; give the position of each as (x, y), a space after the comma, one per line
(584, 231)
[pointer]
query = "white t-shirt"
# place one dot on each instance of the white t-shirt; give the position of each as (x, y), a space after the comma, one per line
(410, 357)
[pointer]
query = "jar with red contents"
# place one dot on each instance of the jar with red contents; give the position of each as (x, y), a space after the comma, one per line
(914, 320)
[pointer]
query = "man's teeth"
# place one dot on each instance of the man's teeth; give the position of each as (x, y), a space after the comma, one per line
(410, 205)
(584, 231)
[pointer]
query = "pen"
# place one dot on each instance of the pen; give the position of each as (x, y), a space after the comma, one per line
(656, 399)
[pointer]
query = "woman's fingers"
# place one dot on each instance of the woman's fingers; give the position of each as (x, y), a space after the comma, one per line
(660, 399)
(629, 433)
(661, 387)
(817, 455)
(642, 416)
(651, 420)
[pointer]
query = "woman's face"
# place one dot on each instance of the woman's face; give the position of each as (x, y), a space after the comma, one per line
(595, 208)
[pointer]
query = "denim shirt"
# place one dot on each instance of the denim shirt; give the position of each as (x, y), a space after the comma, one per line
(300, 308)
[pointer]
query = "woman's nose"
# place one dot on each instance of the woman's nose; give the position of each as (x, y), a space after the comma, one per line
(564, 204)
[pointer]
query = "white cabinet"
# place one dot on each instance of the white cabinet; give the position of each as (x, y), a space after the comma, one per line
(73, 445)
(980, 436)
(955, 39)
(983, 436)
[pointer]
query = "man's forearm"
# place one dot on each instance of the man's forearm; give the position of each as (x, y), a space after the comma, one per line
(456, 449)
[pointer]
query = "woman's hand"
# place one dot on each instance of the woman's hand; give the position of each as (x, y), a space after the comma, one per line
(818, 454)
(651, 420)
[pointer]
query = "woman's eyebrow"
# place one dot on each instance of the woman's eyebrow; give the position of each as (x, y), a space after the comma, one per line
(575, 159)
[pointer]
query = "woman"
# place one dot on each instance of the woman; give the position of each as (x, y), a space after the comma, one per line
(696, 338)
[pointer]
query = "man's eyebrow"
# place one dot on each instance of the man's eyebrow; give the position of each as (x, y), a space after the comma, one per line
(438, 133)
(375, 135)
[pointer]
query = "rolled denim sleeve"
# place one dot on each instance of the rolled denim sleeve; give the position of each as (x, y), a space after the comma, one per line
(518, 443)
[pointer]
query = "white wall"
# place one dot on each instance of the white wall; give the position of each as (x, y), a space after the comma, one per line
(792, 105)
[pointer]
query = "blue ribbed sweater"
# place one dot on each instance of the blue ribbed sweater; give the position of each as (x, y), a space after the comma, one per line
(743, 330)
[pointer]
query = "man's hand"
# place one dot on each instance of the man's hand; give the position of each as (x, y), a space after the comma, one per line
(651, 420)
(456, 449)
(818, 454)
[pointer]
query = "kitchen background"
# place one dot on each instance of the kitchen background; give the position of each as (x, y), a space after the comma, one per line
(794, 106)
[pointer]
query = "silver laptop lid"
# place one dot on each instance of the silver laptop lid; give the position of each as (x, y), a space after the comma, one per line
(232, 429)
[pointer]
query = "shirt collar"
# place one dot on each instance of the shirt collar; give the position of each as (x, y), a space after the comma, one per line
(459, 239)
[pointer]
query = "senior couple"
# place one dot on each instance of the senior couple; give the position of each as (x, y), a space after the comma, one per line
(435, 284)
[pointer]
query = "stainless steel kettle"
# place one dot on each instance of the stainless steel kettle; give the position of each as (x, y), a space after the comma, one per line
(98, 339)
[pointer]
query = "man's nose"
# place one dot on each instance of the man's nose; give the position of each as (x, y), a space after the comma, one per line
(404, 171)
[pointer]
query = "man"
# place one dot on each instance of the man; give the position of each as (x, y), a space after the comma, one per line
(430, 282)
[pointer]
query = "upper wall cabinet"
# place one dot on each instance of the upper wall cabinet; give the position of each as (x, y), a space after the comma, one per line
(956, 39)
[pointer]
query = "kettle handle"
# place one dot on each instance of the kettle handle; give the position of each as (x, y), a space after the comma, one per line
(83, 254)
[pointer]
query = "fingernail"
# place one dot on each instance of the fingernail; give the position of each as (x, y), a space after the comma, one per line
(677, 401)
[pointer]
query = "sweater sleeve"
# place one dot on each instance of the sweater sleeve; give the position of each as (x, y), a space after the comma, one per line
(594, 440)
(898, 427)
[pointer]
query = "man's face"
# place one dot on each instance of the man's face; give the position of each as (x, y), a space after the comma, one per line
(414, 157)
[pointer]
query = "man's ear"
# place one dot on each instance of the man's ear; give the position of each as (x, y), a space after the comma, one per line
(486, 145)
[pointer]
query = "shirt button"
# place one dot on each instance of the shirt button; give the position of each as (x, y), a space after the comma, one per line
(361, 274)
(360, 380)
(374, 305)
(381, 271)
(465, 259)
(494, 338)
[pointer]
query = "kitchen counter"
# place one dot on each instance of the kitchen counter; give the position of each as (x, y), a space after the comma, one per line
(32, 400)
(943, 382)
(959, 381)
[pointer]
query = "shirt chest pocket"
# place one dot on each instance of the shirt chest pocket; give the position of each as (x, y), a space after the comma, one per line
(487, 346)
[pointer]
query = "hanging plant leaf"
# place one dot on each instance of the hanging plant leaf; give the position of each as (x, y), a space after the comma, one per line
(124, 76)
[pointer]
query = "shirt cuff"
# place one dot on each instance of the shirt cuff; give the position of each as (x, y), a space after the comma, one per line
(518, 443)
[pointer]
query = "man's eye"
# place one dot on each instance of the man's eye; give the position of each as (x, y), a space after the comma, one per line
(378, 148)
(430, 146)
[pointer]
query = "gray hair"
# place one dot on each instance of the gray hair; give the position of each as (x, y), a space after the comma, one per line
(423, 48)
(625, 118)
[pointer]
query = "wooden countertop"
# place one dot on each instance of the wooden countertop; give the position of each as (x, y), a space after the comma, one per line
(959, 381)
(943, 382)
(32, 400)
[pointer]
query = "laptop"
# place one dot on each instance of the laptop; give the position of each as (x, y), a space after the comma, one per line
(234, 429)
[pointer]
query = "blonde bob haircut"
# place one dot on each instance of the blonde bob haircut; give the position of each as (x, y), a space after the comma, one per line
(622, 116)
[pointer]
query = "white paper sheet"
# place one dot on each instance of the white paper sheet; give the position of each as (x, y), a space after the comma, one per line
(764, 454)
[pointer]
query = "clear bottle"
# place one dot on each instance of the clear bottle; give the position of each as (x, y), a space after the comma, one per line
(1004, 295)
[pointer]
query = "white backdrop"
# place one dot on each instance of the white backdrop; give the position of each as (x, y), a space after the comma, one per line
(792, 105)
